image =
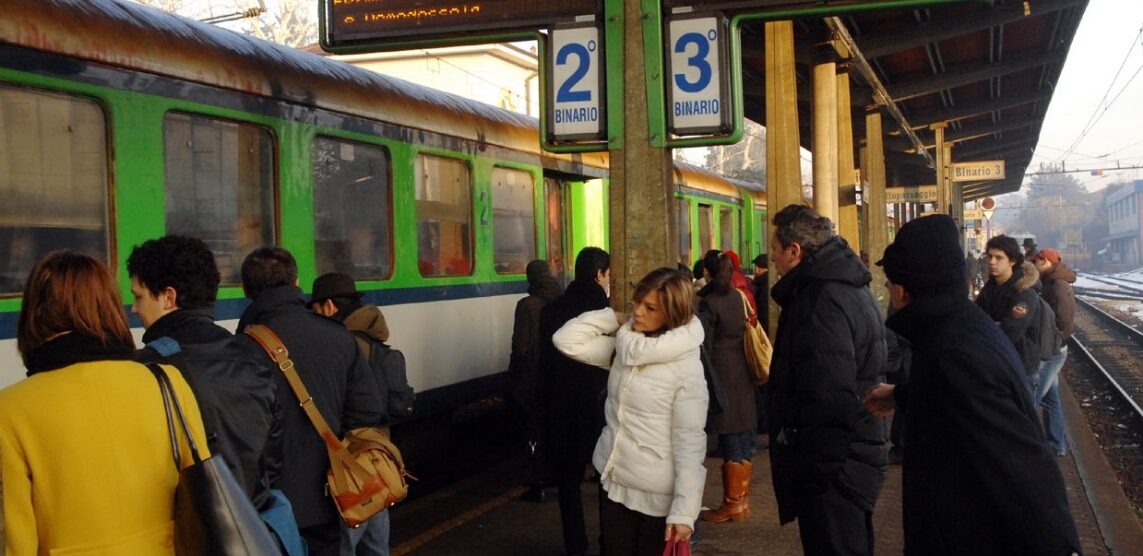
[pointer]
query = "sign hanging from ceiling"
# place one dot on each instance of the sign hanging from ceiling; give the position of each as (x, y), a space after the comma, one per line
(698, 90)
(358, 24)
(977, 171)
(576, 107)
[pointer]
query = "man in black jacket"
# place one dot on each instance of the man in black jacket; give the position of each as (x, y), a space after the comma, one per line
(827, 453)
(575, 392)
(175, 281)
(978, 477)
(330, 366)
(1010, 299)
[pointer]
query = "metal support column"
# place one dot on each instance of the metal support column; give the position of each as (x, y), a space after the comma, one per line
(876, 221)
(846, 176)
(783, 163)
(642, 222)
(941, 168)
(824, 120)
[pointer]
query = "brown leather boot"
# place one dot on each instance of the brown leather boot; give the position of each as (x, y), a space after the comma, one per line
(736, 490)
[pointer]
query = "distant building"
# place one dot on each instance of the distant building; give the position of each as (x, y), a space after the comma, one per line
(503, 75)
(1123, 226)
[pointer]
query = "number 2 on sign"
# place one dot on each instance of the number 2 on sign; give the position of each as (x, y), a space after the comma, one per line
(698, 61)
(566, 94)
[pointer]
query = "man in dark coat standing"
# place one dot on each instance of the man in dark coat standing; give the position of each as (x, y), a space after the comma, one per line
(524, 369)
(338, 379)
(575, 392)
(827, 453)
(978, 478)
(174, 280)
(1010, 299)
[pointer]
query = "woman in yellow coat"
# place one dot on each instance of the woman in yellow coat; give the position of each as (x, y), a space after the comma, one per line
(85, 453)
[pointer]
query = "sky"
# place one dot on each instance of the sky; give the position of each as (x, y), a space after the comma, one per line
(1100, 90)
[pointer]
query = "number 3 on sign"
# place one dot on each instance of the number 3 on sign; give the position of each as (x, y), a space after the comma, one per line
(697, 94)
(575, 100)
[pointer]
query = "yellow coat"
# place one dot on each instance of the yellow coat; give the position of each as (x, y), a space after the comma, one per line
(86, 460)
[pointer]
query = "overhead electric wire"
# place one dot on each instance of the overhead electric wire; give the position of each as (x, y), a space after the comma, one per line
(1101, 108)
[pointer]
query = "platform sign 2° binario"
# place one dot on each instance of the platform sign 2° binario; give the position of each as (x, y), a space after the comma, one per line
(576, 99)
(698, 91)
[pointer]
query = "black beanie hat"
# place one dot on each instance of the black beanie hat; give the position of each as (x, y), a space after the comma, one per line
(925, 254)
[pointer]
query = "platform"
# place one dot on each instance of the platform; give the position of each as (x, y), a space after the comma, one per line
(482, 514)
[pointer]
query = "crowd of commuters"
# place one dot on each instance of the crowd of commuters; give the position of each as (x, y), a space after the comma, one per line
(600, 395)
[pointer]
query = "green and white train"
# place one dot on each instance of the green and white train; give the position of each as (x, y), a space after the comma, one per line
(120, 123)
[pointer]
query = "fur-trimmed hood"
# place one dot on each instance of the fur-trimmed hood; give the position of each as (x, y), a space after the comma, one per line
(1025, 276)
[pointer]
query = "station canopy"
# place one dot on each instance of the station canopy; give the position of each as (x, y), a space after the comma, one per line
(987, 69)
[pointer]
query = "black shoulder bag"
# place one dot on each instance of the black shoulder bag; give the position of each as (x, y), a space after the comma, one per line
(212, 513)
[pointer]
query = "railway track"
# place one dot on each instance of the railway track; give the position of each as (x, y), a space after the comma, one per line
(1105, 372)
(1114, 347)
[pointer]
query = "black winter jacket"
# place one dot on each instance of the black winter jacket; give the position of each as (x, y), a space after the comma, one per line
(233, 381)
(978, 477)
(575, 391)
(829, 349)
(1015, 306)
(336, 376)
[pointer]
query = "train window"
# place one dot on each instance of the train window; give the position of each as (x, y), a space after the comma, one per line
(683, 217)
(220, 186)
(444, 216)
(726, 229)
(53, 179)
(513, 220)
(706, 227)
(353, 209)
(554, 196)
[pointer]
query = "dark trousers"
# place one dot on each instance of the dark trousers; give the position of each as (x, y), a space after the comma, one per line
(323, 539)
(627, 532)
(832, 524)
(569, 477)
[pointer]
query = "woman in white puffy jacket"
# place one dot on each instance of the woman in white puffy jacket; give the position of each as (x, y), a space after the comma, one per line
(650, 454)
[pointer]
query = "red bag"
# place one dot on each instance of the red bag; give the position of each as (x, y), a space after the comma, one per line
(677, 548)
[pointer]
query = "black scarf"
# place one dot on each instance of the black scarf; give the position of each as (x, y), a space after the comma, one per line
(73, 347)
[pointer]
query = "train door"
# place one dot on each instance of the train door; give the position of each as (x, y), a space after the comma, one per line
(727, 236)
(557, 233)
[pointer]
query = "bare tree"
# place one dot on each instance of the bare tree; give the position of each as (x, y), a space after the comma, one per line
(745, 160)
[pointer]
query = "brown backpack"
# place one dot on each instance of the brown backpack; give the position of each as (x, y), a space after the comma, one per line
(366, 473)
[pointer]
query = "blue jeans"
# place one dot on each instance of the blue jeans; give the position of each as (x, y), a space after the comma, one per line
(372, 538)
(738, 446)
(1048, 397)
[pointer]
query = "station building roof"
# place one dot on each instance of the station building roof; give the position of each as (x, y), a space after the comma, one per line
(988, 69)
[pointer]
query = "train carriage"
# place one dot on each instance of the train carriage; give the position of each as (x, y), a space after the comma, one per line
(120, 123)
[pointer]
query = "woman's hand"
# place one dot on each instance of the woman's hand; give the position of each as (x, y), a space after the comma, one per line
(678, 531)
(621, 318)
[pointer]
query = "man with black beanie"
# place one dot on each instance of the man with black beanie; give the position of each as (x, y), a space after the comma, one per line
(978, 478)
(575, 393)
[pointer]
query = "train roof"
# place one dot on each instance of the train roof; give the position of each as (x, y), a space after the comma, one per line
(139, 37)
(697, 177)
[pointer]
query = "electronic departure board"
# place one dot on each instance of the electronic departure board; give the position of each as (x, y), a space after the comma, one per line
(365, 22)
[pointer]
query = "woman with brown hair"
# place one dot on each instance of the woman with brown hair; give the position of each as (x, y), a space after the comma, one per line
(722, 309)
(650, 453)
(85, 451)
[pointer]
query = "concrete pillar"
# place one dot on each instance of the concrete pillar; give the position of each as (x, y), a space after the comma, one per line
(783, 163)
(846, 176)
(824, 114)
(873, 173)
(642, 218)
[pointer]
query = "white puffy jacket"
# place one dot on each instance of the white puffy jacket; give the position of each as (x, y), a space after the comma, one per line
(650, 455)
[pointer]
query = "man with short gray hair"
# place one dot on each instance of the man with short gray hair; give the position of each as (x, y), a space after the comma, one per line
(827, 454)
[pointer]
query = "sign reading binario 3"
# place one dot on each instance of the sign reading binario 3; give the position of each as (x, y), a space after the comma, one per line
(576, 104)
(698, 94)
